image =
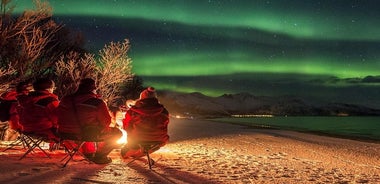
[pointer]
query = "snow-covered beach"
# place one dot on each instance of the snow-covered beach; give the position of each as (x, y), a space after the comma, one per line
(202, 151)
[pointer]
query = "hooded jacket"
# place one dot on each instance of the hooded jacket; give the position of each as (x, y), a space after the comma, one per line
(15, 109)
(38, 111)
(89, 110)
(10, 100)
(147, 120)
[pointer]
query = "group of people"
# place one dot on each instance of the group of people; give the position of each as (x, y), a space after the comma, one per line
(83, 115)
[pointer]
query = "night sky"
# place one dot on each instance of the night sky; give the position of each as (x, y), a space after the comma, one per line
(319, 50)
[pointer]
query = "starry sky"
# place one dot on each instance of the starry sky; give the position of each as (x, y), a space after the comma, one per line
(313, 49)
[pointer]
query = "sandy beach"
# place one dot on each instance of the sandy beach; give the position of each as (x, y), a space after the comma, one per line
(202, 151)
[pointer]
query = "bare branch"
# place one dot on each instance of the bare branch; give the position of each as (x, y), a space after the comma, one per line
(24, 40)
(114, 68)
(4, 73)
(71, 69)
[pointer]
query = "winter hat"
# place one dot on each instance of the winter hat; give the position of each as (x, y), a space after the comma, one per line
(23, 87)
(86, 85)
(149, 92)
(43, 84)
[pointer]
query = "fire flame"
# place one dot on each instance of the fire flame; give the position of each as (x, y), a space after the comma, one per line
(123, 138)
(119, 123)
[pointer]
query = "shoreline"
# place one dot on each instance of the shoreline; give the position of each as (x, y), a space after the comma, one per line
(349, 137)
(271, 127)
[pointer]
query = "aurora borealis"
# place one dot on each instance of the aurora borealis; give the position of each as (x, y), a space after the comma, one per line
(316, 49)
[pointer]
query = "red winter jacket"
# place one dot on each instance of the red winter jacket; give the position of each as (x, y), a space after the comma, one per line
(38, 111)
(147, 120)
(9, 95)
(13, 110)
(91, 110)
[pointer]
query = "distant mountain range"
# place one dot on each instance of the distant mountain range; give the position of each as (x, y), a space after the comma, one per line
(197, 105)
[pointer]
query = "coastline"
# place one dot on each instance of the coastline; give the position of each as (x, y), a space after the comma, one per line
(363, 138)
(350, 137)
(202, 151)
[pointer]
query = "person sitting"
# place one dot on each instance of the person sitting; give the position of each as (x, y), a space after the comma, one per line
(85, 116)
(21, 91)
(8, 99)
(37, 113)
(146, 121)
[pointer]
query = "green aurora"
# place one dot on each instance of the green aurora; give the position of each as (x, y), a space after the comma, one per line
(261, 47)
(328, 19)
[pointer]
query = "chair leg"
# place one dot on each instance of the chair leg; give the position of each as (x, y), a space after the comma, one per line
(146, 151)
(71, 152)
(150, 161)
(32, 144)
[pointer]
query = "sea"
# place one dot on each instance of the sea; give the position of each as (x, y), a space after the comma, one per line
(354, 127)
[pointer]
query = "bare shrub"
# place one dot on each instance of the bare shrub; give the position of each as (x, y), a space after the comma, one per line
(34, 46)
(24, 40)
(114, 68)
(4, 83)
(110, 69)
(70, 69)
(33, 42)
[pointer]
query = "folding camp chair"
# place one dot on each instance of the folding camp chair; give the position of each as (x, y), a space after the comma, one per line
(72, 144)
(32, 141)
(71, 150)
(146, 148)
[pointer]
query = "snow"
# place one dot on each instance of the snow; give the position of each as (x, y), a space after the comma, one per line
(203, 151)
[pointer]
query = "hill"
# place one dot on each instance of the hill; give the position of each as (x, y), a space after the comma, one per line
(195, 105)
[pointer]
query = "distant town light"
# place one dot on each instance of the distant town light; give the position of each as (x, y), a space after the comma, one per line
(252, 116)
